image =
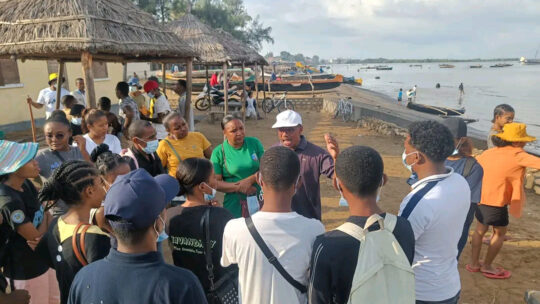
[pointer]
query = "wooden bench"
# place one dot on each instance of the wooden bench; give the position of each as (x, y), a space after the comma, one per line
(218, 111)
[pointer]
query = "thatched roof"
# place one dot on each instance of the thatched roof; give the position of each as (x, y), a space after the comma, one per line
(112, 30)
(213, 46)
(251, 55)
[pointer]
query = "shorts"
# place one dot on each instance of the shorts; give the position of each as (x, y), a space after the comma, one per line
(492, 216)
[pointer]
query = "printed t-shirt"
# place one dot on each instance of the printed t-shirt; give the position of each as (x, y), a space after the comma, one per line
(19, 208)
(193, 145)
(56, 247)
(437, 222)
(47, 97)
(289, 236)
(240, 163)
(112, 141)
(160, 105)
(334, 259)
(48, 160)
(504, 174)
(135, 278)
(127, 104)
(186, 236)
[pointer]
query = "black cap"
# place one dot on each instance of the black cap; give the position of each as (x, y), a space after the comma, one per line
(457, 126)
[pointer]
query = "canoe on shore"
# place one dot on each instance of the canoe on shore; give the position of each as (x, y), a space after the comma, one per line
(435, 110)
(301, 85)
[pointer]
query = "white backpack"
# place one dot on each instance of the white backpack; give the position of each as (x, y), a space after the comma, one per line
(383, 274)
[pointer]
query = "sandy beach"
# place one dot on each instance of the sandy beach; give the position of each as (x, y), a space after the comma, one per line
(520, 254)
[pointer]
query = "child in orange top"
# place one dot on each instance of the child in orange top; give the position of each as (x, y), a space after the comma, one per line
(502, 185)
(502, 114)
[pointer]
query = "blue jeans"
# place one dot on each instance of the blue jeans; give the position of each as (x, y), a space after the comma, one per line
(465, 234)
(453, 300)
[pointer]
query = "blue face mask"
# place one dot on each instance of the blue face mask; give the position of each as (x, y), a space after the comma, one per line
(343, 202)
(404, 158)
(76, 121)
(210, 197)
(150, 95)
(151, 146)
(163, 235)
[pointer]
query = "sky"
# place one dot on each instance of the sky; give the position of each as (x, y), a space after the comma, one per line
(457, 29)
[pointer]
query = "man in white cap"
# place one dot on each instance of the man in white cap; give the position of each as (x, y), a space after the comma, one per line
(47, 96)
(314, 162)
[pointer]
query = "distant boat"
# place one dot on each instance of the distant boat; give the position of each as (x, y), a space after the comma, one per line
(478, 66)
(415, 65)
(446, 66)
(301, 85)
(383, 68)
(501, 65)
(435, 110)
(526, 61)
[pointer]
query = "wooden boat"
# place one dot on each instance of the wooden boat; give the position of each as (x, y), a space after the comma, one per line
(501, 65)
(478, 66)
(383, 68)
(446, 66)
(306, 76)
(301, 85)
(443, 111)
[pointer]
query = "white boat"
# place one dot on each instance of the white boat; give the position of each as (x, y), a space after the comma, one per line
(526, 61)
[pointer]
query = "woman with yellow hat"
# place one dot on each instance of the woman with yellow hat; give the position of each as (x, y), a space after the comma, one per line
(47, 96)
(502, 186)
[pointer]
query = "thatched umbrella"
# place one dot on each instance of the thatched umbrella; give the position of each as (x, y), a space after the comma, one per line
(86, 30)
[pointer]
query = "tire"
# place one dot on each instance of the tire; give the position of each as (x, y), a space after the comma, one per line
(202, 104)
(282, 107)
(267, 105)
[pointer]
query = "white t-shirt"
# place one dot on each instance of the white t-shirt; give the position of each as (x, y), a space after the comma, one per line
(289, 236)
(161, 105)
(47, 97)
(112, 141)
(437, 222)
(80, 96)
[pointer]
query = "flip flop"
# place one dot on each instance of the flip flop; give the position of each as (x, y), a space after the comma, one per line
(501, 274)
(472, 269)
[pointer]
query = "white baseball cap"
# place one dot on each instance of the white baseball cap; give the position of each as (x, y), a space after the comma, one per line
(287, 119)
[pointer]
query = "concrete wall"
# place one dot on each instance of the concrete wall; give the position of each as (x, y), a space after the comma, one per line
(33, 76)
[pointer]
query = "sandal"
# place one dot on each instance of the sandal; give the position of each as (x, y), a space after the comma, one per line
(500, 273)
(472, 269)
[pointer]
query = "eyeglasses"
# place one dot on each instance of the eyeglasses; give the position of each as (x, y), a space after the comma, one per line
(58, 136)
(287, 130)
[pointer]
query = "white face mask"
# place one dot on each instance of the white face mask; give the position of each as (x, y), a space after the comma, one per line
(209, 197)
(343, 201)
(456, 150)
(404, 158)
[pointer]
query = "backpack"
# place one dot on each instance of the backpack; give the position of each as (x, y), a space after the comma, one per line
(383, 274)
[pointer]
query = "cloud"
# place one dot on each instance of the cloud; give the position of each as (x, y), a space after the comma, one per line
(402, 28)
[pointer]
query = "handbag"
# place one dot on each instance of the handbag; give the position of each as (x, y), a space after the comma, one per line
(224, 290)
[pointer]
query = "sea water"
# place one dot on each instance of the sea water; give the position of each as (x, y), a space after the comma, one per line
(485, 88)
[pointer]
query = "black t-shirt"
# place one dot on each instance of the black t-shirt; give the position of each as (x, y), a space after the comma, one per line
(186, 235)
(56, 247)
(152, 165)
(18, 208)
(335, 255)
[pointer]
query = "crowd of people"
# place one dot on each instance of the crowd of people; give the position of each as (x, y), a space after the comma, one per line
(84, 220)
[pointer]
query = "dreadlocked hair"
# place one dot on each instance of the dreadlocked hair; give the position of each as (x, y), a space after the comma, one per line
(105, 160)
(68, 182)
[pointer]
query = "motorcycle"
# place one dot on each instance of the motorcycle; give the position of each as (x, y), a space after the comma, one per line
(215, 97)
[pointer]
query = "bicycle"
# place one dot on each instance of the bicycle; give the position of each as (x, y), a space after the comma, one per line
(344, 109)
(281, 104)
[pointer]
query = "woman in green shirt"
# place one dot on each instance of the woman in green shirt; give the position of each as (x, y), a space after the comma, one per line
(236, 163)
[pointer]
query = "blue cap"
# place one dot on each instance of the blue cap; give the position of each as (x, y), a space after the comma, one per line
(137, 198)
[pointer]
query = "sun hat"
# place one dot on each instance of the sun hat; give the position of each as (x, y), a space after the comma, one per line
(515, 132)
(457, 126)
(137, 198)
(287, 119)
(15, 155)
(150, 85)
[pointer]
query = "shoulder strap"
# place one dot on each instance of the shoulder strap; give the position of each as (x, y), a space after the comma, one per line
(469, 164)
(271, 258)
(390, 222)
(174, 150)
(57, 154)
(353, 230)
(80, 253)
(415, 199)
(207, 246)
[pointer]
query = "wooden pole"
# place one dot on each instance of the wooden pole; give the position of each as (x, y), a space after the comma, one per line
(32, 122)
(263, 88)
(164, 78)
(207, 81)
(244, 93)
(124, 73)
(189, 90)
(256, 83)
(88, 75)
(226, 88)
(59, 83)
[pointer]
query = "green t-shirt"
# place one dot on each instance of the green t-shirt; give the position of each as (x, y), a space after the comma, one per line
(240, 163)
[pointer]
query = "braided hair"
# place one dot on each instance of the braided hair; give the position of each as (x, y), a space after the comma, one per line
(68, 182)
(105, 160)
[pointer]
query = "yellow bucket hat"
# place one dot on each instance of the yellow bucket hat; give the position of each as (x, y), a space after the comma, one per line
(515, 132)
(53, 76)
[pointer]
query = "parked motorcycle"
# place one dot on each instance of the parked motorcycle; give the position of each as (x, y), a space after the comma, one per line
(215, 97)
